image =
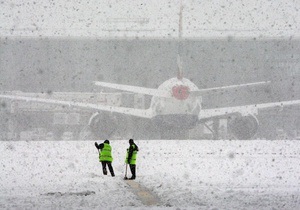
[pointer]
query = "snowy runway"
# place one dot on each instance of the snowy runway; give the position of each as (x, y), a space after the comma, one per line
(186, 174)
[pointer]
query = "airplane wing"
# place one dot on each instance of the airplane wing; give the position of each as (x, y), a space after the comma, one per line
(134, 89)
(243, 110)
(144, 113)
(220, 89)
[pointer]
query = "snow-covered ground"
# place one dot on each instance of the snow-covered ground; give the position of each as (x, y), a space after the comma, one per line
(183, 174)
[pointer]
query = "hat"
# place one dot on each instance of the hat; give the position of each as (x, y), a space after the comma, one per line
(106, 141)
(130, 141)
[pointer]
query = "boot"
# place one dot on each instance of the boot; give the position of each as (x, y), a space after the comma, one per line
(104, 171)
(132, 169)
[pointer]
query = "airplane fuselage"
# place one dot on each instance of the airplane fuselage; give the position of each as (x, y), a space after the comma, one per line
(179, 110)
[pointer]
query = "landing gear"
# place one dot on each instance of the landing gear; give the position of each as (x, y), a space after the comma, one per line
(217, 128)
(213, 130)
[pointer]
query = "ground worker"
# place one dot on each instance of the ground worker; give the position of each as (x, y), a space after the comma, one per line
(105, 156)
(131, 158)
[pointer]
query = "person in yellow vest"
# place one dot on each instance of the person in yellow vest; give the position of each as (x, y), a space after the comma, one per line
(131, 158)
(105, 156)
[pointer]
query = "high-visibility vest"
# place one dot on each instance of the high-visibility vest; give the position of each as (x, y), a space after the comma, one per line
(133, 157)
(105, 154)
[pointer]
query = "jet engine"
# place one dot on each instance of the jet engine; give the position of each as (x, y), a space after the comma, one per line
(243, 127)
(102, 125)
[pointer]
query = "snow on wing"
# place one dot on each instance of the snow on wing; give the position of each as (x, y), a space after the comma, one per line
(243, 110)
(123, 110)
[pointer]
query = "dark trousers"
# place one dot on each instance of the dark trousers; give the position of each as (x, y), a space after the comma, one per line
(132, 169)
(111, 170)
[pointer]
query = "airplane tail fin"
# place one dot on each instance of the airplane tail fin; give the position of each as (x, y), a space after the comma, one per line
(179, 65)
(179, 61)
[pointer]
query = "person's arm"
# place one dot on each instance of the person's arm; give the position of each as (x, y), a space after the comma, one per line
(96, 145)
(130, 152)
(136, 148)
(99, 146)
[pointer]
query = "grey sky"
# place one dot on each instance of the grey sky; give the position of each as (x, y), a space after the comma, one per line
(144, 18)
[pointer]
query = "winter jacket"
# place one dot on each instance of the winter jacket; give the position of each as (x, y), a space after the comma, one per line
(105, 153)
(131, 154)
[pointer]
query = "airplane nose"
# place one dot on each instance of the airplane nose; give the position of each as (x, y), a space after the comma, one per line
(180, 92)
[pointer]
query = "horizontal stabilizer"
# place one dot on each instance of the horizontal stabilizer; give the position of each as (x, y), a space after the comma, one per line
(135, 89)
(224, 88)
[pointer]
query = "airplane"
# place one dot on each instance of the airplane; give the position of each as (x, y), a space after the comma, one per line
(175, 108)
